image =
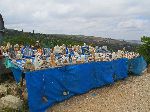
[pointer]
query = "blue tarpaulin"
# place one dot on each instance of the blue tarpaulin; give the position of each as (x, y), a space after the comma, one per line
(49, 86)
(137, 65)
(17, 71)
(58, 84)
(120, 68)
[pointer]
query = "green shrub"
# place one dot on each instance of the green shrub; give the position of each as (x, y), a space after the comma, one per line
(144, 49)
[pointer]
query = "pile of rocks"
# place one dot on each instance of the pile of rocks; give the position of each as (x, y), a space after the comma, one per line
(10, 101)
(8, 97)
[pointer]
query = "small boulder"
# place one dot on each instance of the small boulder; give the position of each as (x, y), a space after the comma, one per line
(10, 101)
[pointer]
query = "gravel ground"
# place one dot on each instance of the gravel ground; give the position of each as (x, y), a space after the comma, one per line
(130, 95)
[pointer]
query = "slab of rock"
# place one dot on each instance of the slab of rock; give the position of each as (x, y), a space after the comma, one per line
(10, 101)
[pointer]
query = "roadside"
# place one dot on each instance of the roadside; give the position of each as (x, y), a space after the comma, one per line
(130, 95)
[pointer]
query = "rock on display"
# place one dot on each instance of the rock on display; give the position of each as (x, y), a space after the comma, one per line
(37, 58)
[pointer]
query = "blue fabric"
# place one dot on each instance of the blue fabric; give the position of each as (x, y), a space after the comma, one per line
(103, 73)
(120, 67)
(71, 80)
(17, 73)
(58, 84)
(137, 65)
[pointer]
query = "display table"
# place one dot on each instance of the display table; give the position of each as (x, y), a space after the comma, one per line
(49, 86)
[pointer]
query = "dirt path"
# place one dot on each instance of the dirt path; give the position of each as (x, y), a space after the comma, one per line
(130, 95)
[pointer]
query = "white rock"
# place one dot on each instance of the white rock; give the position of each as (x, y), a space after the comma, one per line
(10, 101)
(57, 49)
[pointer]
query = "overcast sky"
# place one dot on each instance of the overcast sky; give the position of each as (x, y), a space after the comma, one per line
(119, 19)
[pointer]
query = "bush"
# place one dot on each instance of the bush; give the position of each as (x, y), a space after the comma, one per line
(144, 49)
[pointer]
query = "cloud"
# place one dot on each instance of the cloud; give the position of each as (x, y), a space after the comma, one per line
(115, 18)
(133, 24)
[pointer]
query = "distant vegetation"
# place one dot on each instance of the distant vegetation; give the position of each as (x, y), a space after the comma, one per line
(144, 49)
(27, 38)
(51, 40)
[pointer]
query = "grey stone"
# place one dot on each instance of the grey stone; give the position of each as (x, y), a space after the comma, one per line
(10, 101)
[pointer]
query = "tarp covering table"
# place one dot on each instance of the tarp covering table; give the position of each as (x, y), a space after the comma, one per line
(58, 84)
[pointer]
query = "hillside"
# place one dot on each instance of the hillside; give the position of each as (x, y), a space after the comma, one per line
(134, 41)
(50, 40)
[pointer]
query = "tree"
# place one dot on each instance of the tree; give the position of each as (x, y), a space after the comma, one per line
(144, 49)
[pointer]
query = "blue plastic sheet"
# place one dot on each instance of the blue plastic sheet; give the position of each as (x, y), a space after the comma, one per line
(49, 86)
(17, 71)
(120, 68)
(59, 84)
(137, 65)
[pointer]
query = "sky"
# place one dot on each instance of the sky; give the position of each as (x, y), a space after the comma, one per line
(118, 19)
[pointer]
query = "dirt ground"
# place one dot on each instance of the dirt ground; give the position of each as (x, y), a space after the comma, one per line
(130, 95)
